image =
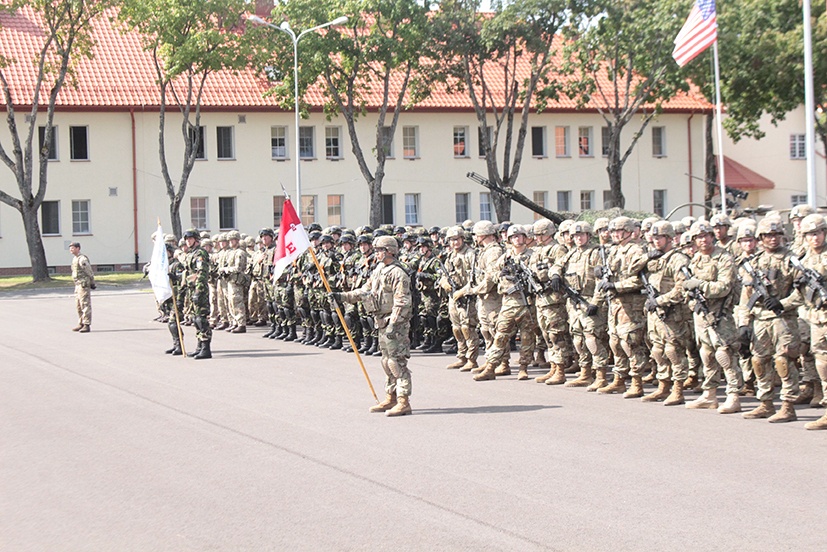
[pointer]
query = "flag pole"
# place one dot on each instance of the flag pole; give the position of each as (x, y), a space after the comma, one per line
(178, 321)
(720, 126)
(344, 324)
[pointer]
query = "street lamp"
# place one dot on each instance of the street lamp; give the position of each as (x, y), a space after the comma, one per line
(285, 28)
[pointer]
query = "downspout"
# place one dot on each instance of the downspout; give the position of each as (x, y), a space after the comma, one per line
(689, 142)
(134, 189)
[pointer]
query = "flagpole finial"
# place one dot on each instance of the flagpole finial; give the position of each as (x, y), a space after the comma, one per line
(284, 191)
(159, 221)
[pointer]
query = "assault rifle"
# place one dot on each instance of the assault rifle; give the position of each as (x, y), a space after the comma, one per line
(760, 286)
(574, 295)
(522, 276)
(650, 292)
(463, 301)
(702, 307)
(813, 281)
(606, 273)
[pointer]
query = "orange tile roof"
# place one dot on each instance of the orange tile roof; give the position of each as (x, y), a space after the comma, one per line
(743, 178)
(121, 76)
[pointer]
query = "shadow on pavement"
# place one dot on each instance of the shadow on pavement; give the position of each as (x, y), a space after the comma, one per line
(485, 409)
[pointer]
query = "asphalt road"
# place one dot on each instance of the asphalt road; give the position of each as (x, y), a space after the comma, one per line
(108, 444)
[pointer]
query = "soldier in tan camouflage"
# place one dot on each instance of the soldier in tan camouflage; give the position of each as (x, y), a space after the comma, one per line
(84, 280)
(483, 283)
(234, 271)
(462, 310)
(810, 381)
(387, 297)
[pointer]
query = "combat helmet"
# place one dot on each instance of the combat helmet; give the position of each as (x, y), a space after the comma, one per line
(388, 242)
(813, 223)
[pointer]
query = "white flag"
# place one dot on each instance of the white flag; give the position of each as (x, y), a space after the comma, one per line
(159, 268)
(292, 242)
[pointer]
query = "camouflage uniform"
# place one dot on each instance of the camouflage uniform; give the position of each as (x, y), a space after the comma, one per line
(235, 267)
(462, 311)
(197, 275)
(84, 279)
(484, 286)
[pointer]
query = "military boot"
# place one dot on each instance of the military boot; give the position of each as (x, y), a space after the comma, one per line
(763, 410)
(559, 376)
(387, 404)
(291, 333)
(436, 346)
(374, 347)
(636, 389)
(786, 414)
(307, 335)
(806, 393)
(547, 376)
(676, 396)
(583, 380)
(402, 408)
(77, 328)
(708, 400)
(176, 348)
(197, 350)
(239, 329)
(272, 331)
(599, 380)
(541, 360)
(821, 423)
(503, 369)
(663, 391)
(487, 373)
(366, 343)
(426, 343)
(204, 352)
(731, 405)
(691, 383)
(84, 329)
(458, 363)
(478, 369)
(470, 365)
(522, 375)
(617, 386)
(818, 395)
(337, 343)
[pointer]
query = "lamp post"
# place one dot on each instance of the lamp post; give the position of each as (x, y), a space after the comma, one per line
(285, 28)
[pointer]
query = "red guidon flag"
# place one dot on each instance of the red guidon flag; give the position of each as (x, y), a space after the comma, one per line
(292, 242)
(698, 33)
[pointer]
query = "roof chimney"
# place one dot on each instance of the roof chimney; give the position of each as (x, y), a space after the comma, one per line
(264, 8)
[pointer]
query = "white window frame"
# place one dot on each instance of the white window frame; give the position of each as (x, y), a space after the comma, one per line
(219, 131)
(221, 213)
(274, 130)
(205, 208)
(467, 203)
(88, 230)
(586, 200)
(333, 218)
(54, 152)
(663, 199)
(486, 211)
(585, 133)
(562, 149)
(72, 130)
(539, 132)
(658, 141)
(410, 142)
(411, 209)
(798, 199)
(308, 209)
(333, 142)
(567, 195)
(798, 146)
(57, 210)
(460, 138)
(309, 133)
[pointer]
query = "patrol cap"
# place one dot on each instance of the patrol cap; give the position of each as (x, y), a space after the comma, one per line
(580, 227)
(484, 228)
(388, 242)
(800, 211)
(543, 227)
(455, 232)
(601, 223)
(622, 223)
(813, 223)
(770, 225)
(720, 220)
(514, 230)
(233, 235)
(700, 227)
(662, 228)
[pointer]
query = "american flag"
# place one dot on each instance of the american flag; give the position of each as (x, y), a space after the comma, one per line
(698, 33)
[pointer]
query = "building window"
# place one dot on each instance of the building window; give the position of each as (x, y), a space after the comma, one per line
(541, 199)
(486, 212)
(332, 142)
(461, 142)
(226, 213)
(584, 142)
(411, 208)
(561, 141)
(278, 208)
(462, 202)
(605, 138)
(41, 139)
(387, 209)
(308, 209)
(224, 142)
(50, 218)
(538, 142)
(278, 142)
(659, 202)
(79, 143)
(200, 147)
(798, 146)
(306, 148)
(586, 200)
(658, 141)
(798, 199)
(334, 209)
(80, 216)
(607, 199)
(564, 201)
(198, 213)
(480, 145)
(387, 139)
(410, 142)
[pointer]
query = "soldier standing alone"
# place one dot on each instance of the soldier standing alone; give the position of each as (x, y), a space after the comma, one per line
(84, 280)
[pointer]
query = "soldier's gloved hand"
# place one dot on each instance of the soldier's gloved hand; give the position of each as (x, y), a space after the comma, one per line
(799, 281)
(335, 296)
(556, 283)
(598, 272)
(460, 293)
(606, 286)
(174, 278)
(773, 304)
(93, 285)
(692, 283)
(651, 304)
(745, 335)
(591, 310)
(654, 254)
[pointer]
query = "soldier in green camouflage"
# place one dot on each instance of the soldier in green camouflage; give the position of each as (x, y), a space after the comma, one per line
(196, 278)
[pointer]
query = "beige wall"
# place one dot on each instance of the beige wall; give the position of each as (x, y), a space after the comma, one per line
(253, 178)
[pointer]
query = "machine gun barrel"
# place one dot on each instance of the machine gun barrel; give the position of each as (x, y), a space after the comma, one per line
(514, 195)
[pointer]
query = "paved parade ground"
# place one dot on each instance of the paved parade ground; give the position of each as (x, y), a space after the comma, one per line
(108, 444)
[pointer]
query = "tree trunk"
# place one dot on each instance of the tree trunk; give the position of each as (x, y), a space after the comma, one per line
(37, 255)
(502, 206)
(375, 188)
(615, 168)
(710, 166)
(175, 218)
